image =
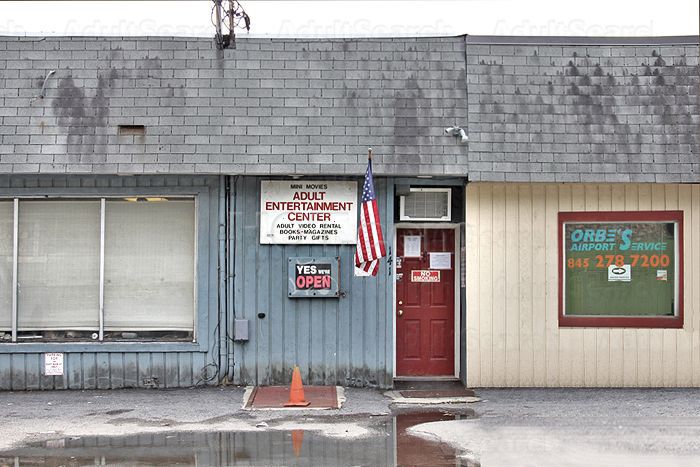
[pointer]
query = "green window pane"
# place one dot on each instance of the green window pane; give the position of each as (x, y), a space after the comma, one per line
(620, 269)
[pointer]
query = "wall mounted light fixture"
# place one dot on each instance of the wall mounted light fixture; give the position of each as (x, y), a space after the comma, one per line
(457, 131)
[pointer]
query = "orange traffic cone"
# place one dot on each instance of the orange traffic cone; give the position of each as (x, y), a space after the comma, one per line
(297, 441)
(296, 392)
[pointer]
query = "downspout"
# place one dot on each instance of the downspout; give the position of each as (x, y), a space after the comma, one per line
(222, 326)
(231, 226)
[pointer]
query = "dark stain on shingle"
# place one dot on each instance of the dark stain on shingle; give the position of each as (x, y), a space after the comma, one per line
(584, 99)
(409, 121)
(80, 111)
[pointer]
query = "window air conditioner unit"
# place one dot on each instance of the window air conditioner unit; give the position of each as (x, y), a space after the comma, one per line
(426, 204)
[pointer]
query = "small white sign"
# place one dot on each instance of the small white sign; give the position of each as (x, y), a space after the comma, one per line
(619, 273)
(411, 246)
(359, 272)
(440, 260)
(53, 364)
(662, 275)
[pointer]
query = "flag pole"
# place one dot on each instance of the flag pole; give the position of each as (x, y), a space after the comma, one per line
(370, 241)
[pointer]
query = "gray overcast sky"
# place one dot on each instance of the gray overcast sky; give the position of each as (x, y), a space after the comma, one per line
(358, 18)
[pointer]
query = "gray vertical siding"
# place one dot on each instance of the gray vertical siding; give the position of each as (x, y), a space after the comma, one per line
(345, 341)
(124, 365)
(103, 370)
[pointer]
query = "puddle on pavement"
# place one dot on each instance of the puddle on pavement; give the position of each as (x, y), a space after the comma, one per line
(390, 446)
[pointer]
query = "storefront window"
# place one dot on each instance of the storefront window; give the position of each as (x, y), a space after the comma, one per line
(621, 269)
(58, 283)
(149, 266)
(97, 269)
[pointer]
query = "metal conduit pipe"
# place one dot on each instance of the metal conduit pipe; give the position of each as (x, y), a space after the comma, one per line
(231, 267)
(222, 326)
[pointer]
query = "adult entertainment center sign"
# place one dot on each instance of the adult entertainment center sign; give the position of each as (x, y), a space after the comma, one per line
(308, 212)
(620, 265)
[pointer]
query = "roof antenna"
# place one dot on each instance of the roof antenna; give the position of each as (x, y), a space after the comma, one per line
(227, 15)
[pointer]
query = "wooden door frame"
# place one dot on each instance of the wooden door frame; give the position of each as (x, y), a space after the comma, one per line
(457, 269)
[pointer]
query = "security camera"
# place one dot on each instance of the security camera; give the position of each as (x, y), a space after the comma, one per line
(457, 131)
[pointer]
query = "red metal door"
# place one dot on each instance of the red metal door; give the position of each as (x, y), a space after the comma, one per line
(425, 298)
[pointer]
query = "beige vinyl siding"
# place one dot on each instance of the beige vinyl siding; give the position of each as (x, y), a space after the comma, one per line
(513, 335)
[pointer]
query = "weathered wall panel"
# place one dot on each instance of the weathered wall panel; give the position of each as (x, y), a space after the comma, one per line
(345, 341)
(513, 336)
(111, 365)
(104, 370)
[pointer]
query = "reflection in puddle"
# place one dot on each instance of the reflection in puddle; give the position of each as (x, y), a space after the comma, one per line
(415, 451)
(390, 446)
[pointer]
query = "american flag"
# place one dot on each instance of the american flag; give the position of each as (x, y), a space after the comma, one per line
(370, 242)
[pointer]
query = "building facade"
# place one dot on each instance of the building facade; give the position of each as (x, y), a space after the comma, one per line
(174, 215)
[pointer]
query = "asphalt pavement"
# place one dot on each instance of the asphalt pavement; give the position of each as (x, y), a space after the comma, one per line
(577, 427)
(512, 427)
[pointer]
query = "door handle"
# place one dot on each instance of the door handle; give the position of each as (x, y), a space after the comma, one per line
(400, 312)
